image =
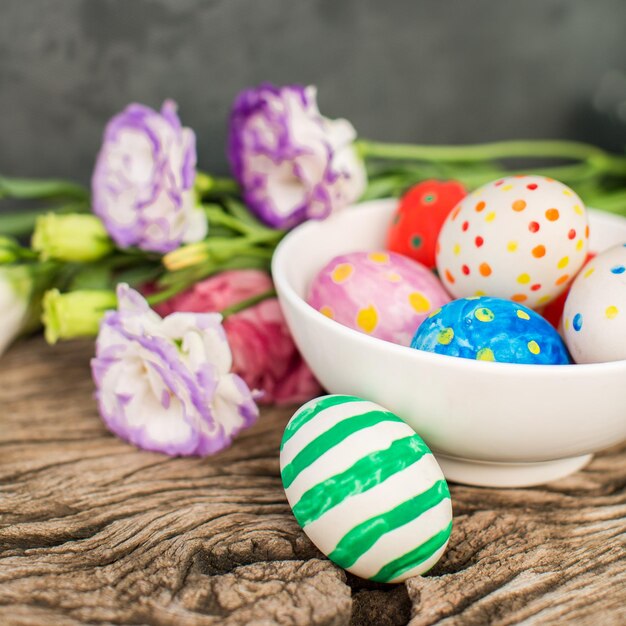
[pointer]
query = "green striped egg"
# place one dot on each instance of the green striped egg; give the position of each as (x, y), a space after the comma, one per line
(365, 488)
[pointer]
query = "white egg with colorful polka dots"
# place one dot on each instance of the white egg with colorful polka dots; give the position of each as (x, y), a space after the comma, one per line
(522, 238)
(594, 318)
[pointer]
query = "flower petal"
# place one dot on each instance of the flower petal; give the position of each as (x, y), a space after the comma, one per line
(165, 384)
(142, 185)
(289, 159)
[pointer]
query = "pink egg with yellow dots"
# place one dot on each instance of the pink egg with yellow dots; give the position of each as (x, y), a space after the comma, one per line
(382, 294)
(522, 238)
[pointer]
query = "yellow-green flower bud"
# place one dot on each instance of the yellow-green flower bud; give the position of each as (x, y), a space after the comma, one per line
(9, 250)
(71, 237)
(74, 314)
(203, 183)
(187, 256)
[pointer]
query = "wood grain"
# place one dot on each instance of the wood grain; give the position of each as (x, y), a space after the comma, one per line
(93, 531)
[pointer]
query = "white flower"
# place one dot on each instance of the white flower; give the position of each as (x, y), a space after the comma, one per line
(165, 384)
(16, 285)
(292, 163)
(142, 185)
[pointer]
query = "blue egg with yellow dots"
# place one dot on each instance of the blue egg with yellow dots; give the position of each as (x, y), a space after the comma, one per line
(491, 329)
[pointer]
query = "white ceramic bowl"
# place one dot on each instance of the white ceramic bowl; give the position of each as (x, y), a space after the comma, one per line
(492, 424)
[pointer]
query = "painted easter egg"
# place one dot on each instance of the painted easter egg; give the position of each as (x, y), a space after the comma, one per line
(421, 212)
(491, 329)
(382, 294)
(594, 318)
(365, 488)
(523, 238)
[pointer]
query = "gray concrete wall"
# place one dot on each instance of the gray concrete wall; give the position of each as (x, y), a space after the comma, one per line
(402, 70)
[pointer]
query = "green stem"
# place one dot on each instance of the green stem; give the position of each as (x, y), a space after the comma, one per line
(260, 237)
(568, 174)
(219, 249)
(197, 273)
(224, 186)
(207, 185)
(216, 215)
(242, 213)
(247, 303)
(260, 253)
(166, 294)
(246, 263)
(396, 182)
(482, 152)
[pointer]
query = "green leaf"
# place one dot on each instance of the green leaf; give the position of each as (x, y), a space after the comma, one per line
(37, 188)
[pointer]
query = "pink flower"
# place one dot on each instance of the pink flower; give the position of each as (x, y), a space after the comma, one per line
(264, 354)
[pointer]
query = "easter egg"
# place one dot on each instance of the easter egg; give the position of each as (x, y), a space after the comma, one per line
(365, 488)
(594, 318)
(491, 329)
(523, 238)
(382, 294)
(419, 217)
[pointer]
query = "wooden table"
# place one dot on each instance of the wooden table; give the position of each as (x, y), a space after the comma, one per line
(93, 531)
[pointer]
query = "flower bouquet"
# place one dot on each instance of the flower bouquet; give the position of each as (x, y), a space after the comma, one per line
(169, 267)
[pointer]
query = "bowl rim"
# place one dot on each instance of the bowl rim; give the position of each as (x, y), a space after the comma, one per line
(285, 290)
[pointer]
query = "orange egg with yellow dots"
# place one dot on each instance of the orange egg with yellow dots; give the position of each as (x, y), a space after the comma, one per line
(379, 293)
(522, 238)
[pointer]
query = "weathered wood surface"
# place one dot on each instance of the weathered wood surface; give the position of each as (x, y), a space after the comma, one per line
(93, 531)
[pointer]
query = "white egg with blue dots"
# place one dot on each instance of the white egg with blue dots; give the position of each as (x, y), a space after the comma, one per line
(594, 317)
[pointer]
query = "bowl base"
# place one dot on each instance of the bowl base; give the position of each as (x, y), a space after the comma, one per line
(487, 474)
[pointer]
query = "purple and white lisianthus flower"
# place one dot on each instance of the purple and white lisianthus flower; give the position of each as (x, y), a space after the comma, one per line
(142, 185)
(292, 163)
(165, 384)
